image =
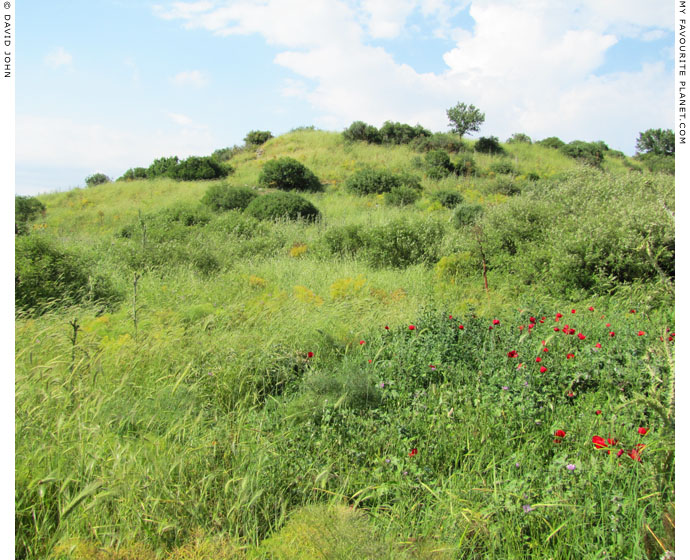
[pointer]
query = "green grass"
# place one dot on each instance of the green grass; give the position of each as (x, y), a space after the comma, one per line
(210, 431)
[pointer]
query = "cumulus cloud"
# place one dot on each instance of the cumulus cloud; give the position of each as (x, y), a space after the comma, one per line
(58, 57)
(531, 65)
(193, 78)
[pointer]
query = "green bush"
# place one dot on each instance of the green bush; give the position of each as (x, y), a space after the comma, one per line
(401, 196)
(467, 214)
(288, 174)
(488, 145)
(372, 181)
(447, 141)
(282, 205)
(401, 243)
(47, 276)
(344, 240)
(26, 209)
(400, 133)
(224, 197)
(96, 179)
(257, 137)
(226, 154)
(588, 153)
(519, 138)
(199, 169)
(133, 174)
(503, 167)
(185, 214)
(162, 167)
(437, 164)
(448, 198)
(658, 163)
(551, 142)
(503, 185)
(360, 131)
(465, 165)
(238, 224)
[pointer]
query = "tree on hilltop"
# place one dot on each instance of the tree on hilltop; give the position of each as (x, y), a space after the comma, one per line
(464, 118)
(656, 141)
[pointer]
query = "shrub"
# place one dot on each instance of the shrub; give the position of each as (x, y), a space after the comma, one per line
(401, 243)
(162, 167)
(552, 142)
(658, 163)
(288, 174)
(447, 141)
(656, 141)
(437, 164)
(458, 265)
(360, 131)
(26, 208)
(519, 138)
(488, 145)
(400, 133)
(503, 167)
(96, 179)
(47, 276)
(372, 181)
(588, 153)
(224, 197)
(134, 173)
(344, 240)
(465, 165)
(226, 154)
(282, 205)
(198, 169)
(257, 137)
(467, 214)
(504, 186)
(448, 198)
(238, 224)
(402, 196)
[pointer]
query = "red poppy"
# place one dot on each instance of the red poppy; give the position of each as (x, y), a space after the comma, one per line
(387, 327)
(491, 328)
(570, 356)
(413, 452)
(673, 334)
(597, 345)
(591, 308)
(612, 442)
(461, 327)
(530, 326)
(599, 442)
(571, 394)
(559, 433)
(571, 331)
(642, 431)
(537, 359)
(612, 334)
(532, 320)
(361, 342)
(542, 369)
(608, 324)
(556, 329)
(411, 327)
(497, 322)
(633, 311)
(545, 349)
(513, 354)
(581, 336)
(670, 339)
(450, 316)
(620, 452)
(572, 311)
(559, 315)
(369, 361)
(521, 327)
(541, 320)
(598, 412)
(310, 354)
(635, 454)
(641, 333)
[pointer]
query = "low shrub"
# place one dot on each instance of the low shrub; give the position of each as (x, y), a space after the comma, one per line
(437, 164)
(26, 209)
(96, 179)
(551, 142)
(134, 174)
(488, 145)
(504, 186)
(282, 205)
(238, 224)
(503, 167)
(257, 137)
(402, 196)
(226, 154)
(401, 133)
(360, 131)
(48, 276)
(288, 174)
(344, 240)
(519, 138)
(658, 163)
(467, 214)
(448, 198)
(588, 153)
(185, 214)
(400, 243)
(465, 165)
(224, 197)
(199, 169)
(447, 141)
(372, 181)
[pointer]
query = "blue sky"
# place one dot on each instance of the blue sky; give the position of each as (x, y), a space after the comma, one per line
(105, 85)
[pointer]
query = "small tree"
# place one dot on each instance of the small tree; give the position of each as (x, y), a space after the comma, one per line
(96, 179)
(657, 141)
(464, 118)
(257, 137)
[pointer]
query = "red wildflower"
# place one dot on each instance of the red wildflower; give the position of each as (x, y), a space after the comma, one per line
(541, 320)
(513, 354)
(559, 315)
(497, 322)
(642, 431)
(521, 327)
(537, 359)
(571, 331)
(387, 327)
(310, 354)
(620, 452)
(671, 339)
(369, 361)
(612, 442)
(598, 412)
(641, 333)
(612, 334)
(491, 328)
(581, 336)
(542, 369)
(450, 316)
(570, 356)
(635, 454)
(572, 311)
(532, 320)
(599, 442)
(597, 345)
(591, 308)
(530, 326)
(545, 349)
(361, 342)
(571, 394)
(461, 327)
(556, 329)
(412, 327)
(413, 452)
(608, 324)
(559, 433)
(633, 311)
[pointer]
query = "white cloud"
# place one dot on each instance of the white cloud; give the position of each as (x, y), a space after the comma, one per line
(58, 57)
(193, 78)
(529, 64)
(653, 35)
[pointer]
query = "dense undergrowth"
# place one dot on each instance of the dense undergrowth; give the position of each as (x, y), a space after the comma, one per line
(437, 378)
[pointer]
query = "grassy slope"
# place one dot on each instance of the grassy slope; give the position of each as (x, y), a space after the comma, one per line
(181, 414)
